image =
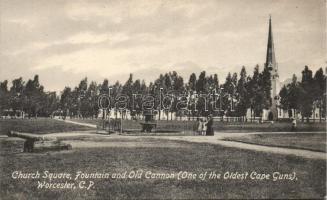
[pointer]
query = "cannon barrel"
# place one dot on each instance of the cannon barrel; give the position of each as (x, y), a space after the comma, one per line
(36, 143)
(27, 136)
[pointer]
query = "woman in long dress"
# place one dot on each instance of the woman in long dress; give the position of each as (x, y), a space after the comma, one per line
(209, 126)
(204, 127)
(200, 126)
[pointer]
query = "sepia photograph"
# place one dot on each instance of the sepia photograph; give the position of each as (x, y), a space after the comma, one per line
(163, 99)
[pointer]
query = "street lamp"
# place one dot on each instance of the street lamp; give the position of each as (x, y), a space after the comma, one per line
(109, 110)
(80, 96)
(160, 98)
(220, 89)
(232, 97)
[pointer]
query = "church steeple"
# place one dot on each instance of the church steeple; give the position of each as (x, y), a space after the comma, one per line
(270, 57)
(273, 68)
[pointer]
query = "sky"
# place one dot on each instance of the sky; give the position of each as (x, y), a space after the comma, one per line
(64, 41)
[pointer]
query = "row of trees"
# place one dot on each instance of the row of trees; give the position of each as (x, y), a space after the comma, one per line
(28, 97)
(306, 95)
(169, 93)
(201, 95)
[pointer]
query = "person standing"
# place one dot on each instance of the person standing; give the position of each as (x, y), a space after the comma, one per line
(196, 126)
(293, 124)
(204, 127)
(209, 130)
(200, 126)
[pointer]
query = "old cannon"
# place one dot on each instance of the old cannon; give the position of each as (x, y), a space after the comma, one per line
(36, 143)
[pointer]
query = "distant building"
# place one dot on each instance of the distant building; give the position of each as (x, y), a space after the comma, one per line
(11, 114)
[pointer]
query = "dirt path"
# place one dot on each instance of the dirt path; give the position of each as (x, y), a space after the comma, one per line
(261, 148)
(78, 123)
(130, 141)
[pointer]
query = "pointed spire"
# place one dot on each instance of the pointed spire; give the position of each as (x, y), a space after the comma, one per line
(270, 58)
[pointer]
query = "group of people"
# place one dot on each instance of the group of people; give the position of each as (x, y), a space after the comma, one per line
(204, 126)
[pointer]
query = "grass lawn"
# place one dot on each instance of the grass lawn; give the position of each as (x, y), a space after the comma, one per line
(177, 156)
(182, 126)
(163, 126)
(308, 141)
(268, 127)
(40, 125)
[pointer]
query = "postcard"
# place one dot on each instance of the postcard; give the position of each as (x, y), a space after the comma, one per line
(161, 99)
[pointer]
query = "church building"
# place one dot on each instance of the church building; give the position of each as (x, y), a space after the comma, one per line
(273, 113)
(272, 65)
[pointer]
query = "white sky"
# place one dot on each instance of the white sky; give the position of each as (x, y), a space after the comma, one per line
(64, 41)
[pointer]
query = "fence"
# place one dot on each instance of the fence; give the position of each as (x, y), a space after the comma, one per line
(228, 124)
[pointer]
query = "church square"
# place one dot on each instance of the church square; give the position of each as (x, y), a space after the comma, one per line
(143, 99)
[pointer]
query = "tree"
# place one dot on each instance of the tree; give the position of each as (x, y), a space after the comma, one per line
(319, 91)
(256, 95)
(91, 95)
(168, 84)
(4, 95)
(17, 99)
(215, 81)
(128, 92)
(242, 94)
(201, 89)
(284, 101)
(177, 81)
(104, 88)
(136, 100)
(116, 91)
(192, 82)
(177, 90)
(104, 91)
(229, 92)
(80, 94)
(67, 102)
(294, 92)
(290, 95)
(306, 95)
(156, 91)
(35, 97)
(201, 83)
(51, 104)
(258, 89)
